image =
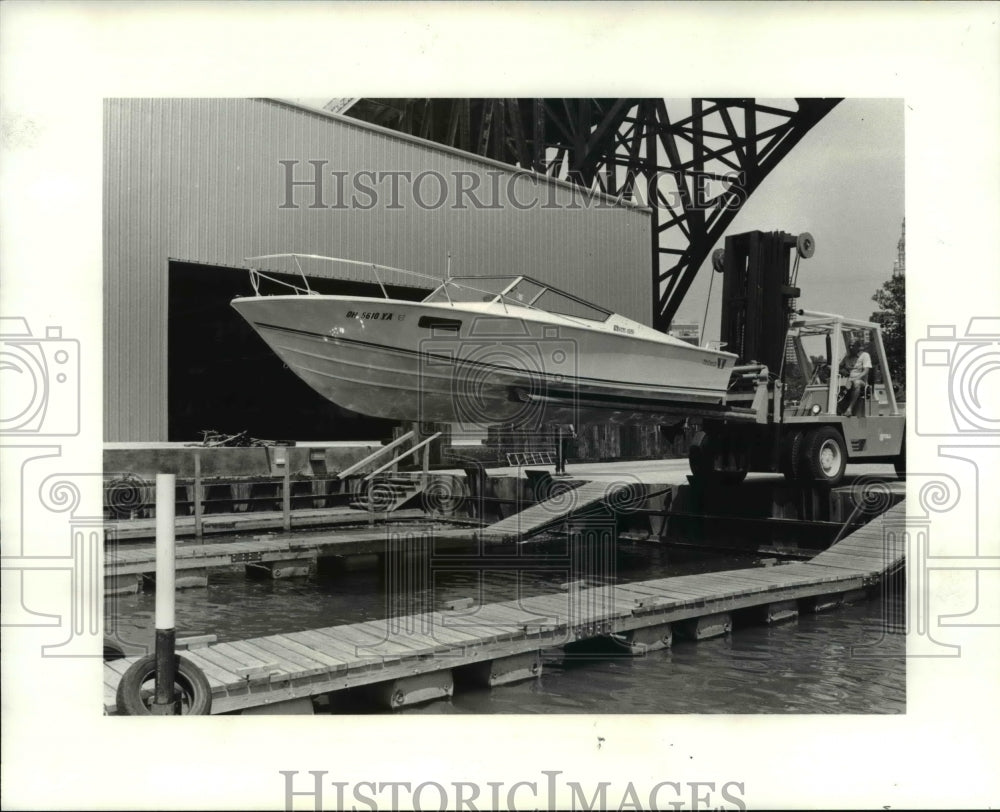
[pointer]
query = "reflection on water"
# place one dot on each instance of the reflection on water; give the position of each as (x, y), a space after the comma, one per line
(808, 665)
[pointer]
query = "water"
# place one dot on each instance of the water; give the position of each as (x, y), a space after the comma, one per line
(808, 665)
(803, 666)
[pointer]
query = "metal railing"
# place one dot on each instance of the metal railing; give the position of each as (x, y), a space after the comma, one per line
(501, 297)
(425, 465)
(375, 455)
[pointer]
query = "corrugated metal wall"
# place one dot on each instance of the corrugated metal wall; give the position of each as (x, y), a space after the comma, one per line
(199, 180)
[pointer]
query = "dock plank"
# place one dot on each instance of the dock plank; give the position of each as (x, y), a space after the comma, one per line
(664, 592)
(233, 652)
(506, 616)
(228, 670)
(339, 646)
(489, 632)
(455, 635)
(217, 677)
(320, 648)
(287, 651)
(422, 641)
(370, 646)
(257, 656)
(447, 637)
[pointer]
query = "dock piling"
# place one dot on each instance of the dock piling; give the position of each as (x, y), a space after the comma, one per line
(164, 703)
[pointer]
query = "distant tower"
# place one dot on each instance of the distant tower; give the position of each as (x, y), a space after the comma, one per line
(899, 268)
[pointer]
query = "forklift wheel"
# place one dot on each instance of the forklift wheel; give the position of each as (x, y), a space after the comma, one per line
(791, 457)
(825, 458)
(900, 462)
(700, 457)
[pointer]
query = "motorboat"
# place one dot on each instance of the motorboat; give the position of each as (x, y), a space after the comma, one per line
(480, 350)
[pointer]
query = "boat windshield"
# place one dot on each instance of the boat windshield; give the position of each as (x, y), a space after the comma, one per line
(471, 289)
(517, 291)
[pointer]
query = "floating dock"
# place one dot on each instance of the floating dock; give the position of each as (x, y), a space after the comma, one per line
(290, 554)
(415, 658)
(230, 523)
(279, 556)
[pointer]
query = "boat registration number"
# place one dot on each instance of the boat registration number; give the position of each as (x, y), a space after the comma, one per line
(373, 315)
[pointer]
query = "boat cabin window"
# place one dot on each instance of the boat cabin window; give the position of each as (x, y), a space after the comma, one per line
(524, 293)
(555, 301)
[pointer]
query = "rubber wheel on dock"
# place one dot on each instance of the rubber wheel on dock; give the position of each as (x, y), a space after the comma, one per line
(824, 458)
(137, 688)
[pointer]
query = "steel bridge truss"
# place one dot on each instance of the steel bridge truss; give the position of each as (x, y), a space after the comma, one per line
(693, 162)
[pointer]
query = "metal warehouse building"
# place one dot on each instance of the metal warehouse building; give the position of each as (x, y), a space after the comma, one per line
(193, 187)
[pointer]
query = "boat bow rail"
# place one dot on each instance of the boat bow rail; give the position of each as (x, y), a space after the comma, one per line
(256, 274)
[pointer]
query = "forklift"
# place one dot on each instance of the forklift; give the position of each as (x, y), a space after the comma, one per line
(789, 405)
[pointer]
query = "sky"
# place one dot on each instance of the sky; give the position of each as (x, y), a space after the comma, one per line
(843, 183)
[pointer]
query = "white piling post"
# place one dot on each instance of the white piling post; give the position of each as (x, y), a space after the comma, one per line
(166, 493)
(165, 549)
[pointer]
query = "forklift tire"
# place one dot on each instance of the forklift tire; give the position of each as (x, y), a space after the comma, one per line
(900, 462)
(700, 457)
(791, 457)
(825, 457)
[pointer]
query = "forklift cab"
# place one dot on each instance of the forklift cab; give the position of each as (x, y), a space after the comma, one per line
(815, 382)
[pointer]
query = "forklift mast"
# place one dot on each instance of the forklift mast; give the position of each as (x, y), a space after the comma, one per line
(758, 294)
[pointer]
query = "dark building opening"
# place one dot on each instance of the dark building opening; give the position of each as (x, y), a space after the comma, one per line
(223, 377)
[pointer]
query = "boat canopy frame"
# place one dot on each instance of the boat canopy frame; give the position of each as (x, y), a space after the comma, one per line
(509, 295)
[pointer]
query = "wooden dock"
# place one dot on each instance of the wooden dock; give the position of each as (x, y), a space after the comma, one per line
(287, 554)
(418, 657)
(229, 523)
(292, 553)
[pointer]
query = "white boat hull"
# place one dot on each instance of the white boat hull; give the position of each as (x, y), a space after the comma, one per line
(415, 361)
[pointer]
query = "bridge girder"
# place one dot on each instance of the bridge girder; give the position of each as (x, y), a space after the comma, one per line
(693, 162)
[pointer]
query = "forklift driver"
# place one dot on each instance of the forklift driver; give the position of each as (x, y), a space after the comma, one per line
(856, 366)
